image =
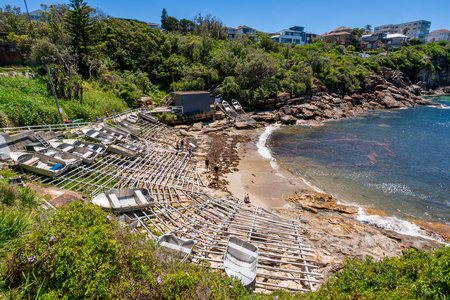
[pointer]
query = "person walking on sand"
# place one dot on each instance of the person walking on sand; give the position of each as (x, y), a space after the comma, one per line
(177, 146)
(207, 164)
(182, 144)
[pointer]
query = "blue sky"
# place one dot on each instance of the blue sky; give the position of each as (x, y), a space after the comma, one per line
(271, 16)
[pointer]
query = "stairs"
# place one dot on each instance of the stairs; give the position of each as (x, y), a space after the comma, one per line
(42, 140)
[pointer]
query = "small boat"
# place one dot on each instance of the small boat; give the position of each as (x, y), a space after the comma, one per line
(183, 248)
(147, 117)
(118, 149)
(39, 163)
(226, 106)
(130, 127)
(98, 148)
(241, 261)
(139, 150)
(236, 104)
(124, 200)
(118, 134)
(70, 159)
(88, 156)
(133, 118)
(99, 136)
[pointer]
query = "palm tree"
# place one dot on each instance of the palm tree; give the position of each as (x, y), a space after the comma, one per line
(368, 28)
(405, 30)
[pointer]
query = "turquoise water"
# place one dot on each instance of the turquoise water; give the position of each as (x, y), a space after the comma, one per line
(394, 161)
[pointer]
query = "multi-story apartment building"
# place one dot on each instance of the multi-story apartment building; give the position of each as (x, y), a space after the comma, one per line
(417, 29)
(294, 35)
(439, 35)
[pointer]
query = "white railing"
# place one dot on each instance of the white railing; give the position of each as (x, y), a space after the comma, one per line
(65, 126)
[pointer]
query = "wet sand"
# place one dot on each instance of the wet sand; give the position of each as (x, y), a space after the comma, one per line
(266, 187)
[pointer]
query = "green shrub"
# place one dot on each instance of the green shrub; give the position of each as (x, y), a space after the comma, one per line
(81, 253)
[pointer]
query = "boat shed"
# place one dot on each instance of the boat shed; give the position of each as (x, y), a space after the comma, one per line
(192, 101)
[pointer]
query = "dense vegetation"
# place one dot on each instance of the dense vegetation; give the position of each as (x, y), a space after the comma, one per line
(82, 252)
(130, 59)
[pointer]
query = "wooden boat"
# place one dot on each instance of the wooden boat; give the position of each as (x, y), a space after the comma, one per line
(183, 248)
(236, 105)
(98, 136)
(88, 156)
(70, 159)
(118, 134)
(226, 106)
(98, 148)
(133, 118)
(39, 163)
(118, 149)
(241, 261)
(124, 200)
(137, 149)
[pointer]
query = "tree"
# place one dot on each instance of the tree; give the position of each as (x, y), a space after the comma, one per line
(172, 24)
(368, 28)
(415, 41)
(405, 30)
(80, 27)
(164, 17)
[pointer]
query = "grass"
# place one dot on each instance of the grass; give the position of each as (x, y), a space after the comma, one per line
(26, 101)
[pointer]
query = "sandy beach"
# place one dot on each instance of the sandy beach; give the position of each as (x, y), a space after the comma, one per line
(266, 186)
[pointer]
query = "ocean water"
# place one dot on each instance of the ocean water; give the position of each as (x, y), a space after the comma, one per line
(395, 161)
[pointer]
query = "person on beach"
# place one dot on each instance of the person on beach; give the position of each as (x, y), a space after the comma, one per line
(177, 146)
(182, 144)
(207, 164)
(216, 170)
(247, 199)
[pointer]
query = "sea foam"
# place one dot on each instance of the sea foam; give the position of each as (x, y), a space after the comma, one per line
(263, 150)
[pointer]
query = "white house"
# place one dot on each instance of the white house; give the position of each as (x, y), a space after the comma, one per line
(439, 35)
(294, 35)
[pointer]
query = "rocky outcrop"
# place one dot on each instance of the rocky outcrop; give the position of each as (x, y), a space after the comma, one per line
(318, 201)
(58, 197)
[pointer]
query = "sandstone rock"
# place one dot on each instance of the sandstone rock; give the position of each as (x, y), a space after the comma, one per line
(447, 89)
(328, 114)
(433, 227)
(348, 98)
(390, 102)
(322, 201)
(265, 117)
(59, 197)
(415, 89)
(197, 126)
(307, 114)
(243, 125)
(287, 119)
(144, 101)
(183, 127)
(286, 110)
(336, 100)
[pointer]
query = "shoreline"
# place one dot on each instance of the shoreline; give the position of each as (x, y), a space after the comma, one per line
(269, 185)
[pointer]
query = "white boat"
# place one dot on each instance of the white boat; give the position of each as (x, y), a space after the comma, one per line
(182, 248)
(132, 147)
(124, 200)
(241, 261)
(98, 148)
(226, 106)
(70, 159)
(40, 164)
(236, 104)
(130, 127)
(118, 134)
(133, 118)
(99, 136)
(88, 156)
(118, 149)
(147, 117)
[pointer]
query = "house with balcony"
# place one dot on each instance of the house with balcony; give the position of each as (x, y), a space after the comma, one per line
(416, 29)
(154, 25)
(294, 35)
(339, 36)
(374, 42)
(244, 30)
(230, 32)
(439, 35)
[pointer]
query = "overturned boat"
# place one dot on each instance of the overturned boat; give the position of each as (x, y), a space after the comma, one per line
(124, 200)
(147, 117)
(98, 136)
(182, 248)
(88, 156)
(117, 134)
(241, 261)
(70, 159)
(39, 163)
(119, 149)
(98, 148)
